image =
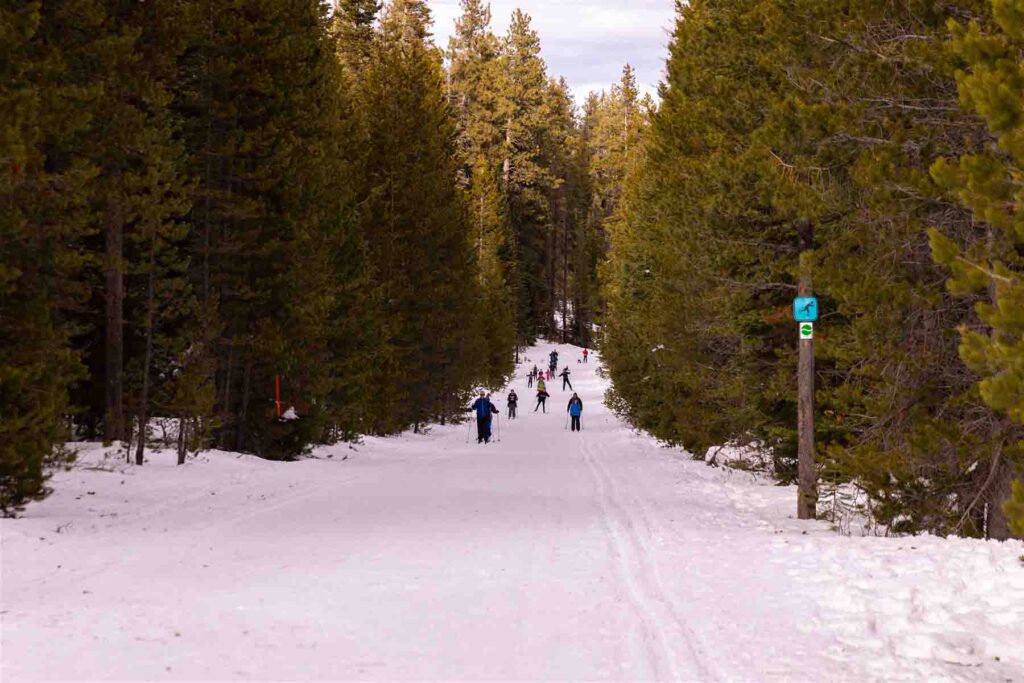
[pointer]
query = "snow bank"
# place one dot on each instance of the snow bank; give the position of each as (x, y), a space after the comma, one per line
(919, 601)
(909, 608)
(751, 457)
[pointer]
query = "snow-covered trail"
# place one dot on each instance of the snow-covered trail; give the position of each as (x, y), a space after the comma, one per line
(545, 556)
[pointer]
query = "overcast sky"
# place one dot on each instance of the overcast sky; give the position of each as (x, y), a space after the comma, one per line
(586, 41)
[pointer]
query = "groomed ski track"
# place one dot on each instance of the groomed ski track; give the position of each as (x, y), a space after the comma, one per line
(545, 556)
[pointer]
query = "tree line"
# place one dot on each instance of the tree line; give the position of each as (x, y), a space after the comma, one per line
(277, 223)
(875, 148)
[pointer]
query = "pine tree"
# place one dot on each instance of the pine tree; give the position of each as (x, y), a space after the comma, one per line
(871, 111)
(519, 126)
(415, 223)
(474, 76)
(1014, 509)
(613, 128)
(794, 138)
(986, 265)
(131, 55)
(565, 157)
(143, 196)
(360, 326)
(615, 125)
(45, 107)
(526, 179)
(684, 341)
(868, 132)
(261, 122)
(494, 323)
(354, 20)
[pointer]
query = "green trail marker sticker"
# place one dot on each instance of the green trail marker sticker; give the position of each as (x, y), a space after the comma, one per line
(806, 331)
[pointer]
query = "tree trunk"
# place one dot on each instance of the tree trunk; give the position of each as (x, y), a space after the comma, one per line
(995, 523)
(1002, 489)
(227, 416)
(148, 361)
(128, 436)
(207, 198)
(506, 166)
(480, 241)
(113, 424)
(243, 409)
(182, 427)
(565, 276)
(551, 263)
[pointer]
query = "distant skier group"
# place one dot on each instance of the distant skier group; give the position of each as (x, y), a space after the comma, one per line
(485, 410)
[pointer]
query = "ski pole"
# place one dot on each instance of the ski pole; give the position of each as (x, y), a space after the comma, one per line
(469, 428)
(566, 422)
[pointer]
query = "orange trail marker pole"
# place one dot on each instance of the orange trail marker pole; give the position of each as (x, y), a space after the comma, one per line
(277, 393)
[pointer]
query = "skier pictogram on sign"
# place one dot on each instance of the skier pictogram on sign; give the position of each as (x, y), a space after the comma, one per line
(805, 309)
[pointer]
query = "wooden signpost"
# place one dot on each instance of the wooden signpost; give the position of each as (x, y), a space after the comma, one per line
(805, 311)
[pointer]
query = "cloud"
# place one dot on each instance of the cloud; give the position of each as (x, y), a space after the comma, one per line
(586, 41)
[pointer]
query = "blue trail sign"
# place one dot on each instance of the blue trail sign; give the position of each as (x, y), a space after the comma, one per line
(805, 309)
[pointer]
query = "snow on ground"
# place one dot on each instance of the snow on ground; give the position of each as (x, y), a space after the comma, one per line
(547, 556)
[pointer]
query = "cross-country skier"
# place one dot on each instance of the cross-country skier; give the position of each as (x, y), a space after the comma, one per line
(541, 386)
(542, 397)
(484, 411)
(575, 409)
(585, 354)
(513, 403)
(565, 378)
(529, 380)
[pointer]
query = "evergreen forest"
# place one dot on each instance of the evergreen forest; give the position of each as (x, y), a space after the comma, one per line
(873, 149)
(275, 223)
(283, 223)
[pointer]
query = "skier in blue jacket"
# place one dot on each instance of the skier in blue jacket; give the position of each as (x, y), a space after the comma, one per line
(575, 410)
(485, 411)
